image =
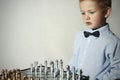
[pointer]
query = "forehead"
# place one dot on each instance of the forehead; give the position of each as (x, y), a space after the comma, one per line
(89, 4)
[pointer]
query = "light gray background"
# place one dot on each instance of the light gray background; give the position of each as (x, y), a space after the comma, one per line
(39, 30)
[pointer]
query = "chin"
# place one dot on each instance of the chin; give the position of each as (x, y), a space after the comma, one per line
(91, 27)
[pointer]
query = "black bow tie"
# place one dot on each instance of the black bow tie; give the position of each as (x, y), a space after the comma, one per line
(87, 34)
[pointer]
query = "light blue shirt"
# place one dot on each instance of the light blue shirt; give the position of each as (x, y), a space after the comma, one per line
(98, 57)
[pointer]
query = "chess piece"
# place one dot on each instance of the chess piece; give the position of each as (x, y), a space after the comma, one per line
(36, 67)
(56, 64)
(25, 77)
(79, 74)
(9, 78)
(40, 70)
(56, 72)
(18, 74)
(61, 63)
(31, 78)
(3, 74)
(85, 77)
(31, 68)
(61, 73)
(68, 72)
(14, 74)
(9, 75)
(46, 67)
(6, 73)
(73, 73)
(51, 67)
(61, 69)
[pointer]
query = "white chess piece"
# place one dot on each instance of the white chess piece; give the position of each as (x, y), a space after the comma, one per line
(40, 70)
(79, 74)
(68, 72)
(46, 67)
(56, 72)
(73, 73)
(31, 68)
(51, 67)
(36, 67)
(61, 73)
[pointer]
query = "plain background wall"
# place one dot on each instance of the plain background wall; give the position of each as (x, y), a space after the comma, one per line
(39, 30)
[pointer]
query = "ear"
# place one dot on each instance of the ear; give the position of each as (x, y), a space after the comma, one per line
(108, 12)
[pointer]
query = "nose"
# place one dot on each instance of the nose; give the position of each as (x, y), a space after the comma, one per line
(87, 17)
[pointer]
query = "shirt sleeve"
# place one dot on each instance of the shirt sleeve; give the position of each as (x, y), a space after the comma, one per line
(112, 71)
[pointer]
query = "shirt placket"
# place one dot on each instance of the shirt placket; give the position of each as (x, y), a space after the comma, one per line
(85, 52)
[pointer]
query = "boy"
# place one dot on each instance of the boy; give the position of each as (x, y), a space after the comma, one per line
(96, 48)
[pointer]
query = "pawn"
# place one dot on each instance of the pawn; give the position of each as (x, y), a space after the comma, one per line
(36, 67)
(56, 64)
(9, 75)
(6, 73)
(62, 73)
(9, 78)
(40, 70)
(56, 69)
(31, 78)
(52, 67)
(31, 68)
(3, 74)
(14, 74)
(25, 77)
(18, 74)
(80, 74)
(68, 72)
(61, 63)
(46, 67)
(73, 73)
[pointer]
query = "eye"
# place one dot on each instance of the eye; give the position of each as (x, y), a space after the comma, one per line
(83, 13)
(92, 12)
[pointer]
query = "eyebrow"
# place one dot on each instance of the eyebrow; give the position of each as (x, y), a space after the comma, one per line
(87, 10)
(82, 11)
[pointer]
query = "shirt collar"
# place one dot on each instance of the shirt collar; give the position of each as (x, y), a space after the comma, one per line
(101, 29)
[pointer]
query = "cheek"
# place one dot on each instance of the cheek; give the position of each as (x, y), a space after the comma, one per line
(95, 18)
(83, 18)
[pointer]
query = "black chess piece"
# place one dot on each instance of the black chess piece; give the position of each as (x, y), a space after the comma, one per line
(85, 77)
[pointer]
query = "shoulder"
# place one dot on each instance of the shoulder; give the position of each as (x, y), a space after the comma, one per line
(112, 36)
(112, 39)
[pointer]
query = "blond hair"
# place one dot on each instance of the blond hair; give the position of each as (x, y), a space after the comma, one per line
(103, 3)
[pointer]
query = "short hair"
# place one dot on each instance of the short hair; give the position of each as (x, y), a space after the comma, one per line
(103, 3)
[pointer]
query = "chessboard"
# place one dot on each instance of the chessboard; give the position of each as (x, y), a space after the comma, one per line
(52, 70)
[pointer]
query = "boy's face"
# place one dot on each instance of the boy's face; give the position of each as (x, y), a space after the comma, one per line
(92, 14)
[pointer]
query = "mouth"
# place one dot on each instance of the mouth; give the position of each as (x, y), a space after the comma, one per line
(88, 23)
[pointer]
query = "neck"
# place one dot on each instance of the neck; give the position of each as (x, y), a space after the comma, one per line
(100, 26)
